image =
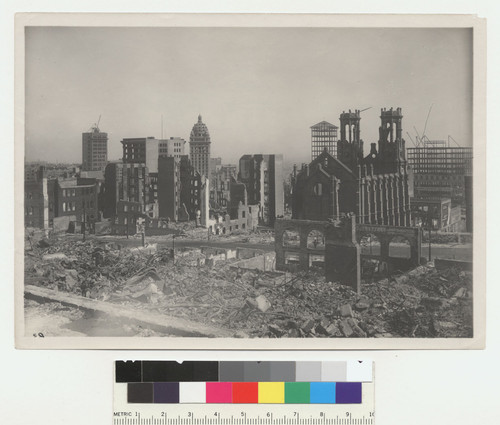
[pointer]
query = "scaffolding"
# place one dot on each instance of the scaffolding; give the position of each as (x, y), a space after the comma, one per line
(435, 157)
(439, 169)
(323, 136)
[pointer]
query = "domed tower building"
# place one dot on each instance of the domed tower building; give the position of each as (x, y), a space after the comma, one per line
(199, 148)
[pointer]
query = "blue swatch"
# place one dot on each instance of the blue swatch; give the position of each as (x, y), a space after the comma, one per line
(322, 392)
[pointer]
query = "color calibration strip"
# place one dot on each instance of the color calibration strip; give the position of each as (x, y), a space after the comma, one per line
(245, 392)
(158, 382)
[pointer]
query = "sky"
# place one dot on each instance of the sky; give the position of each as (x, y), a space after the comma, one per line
(258, 89)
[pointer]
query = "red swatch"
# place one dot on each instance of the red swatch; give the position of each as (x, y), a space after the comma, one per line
(245, 392)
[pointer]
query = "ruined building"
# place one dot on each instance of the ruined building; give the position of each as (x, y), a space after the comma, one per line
(37, 196)
(128, 182)
(262, 176)
(179, 194)
(373, 187)
(220, 186)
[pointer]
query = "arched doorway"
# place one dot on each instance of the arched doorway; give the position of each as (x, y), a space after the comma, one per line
(370, 245)
(291, 238)
(400, 247)
(316, 240)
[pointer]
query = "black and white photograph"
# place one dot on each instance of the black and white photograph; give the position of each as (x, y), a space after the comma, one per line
(244, 182)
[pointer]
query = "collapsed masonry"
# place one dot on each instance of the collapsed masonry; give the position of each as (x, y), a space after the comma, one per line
(214, 292)
(336, 244)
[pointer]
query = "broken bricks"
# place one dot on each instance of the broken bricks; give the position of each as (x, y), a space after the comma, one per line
(346, 310)
(263, 303)
(303, 305)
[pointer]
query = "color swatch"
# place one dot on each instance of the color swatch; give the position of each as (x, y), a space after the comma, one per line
(164, 382)
(238, 371)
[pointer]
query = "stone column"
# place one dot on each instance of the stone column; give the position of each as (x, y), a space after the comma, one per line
(335, 198)
(386, 193)
(278, 245)
(397, 205)
(407, 210)
(368, 202)
(362, 183)
(390, 202)
(303, 254)
(337, 188)
(384, 248)
(342, 254)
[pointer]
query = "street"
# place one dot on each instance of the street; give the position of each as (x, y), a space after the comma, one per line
(453, 252)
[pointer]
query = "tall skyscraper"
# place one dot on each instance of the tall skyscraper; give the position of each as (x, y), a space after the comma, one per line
(141, 150)
(199, 148)
(323, 136)
(94, 150)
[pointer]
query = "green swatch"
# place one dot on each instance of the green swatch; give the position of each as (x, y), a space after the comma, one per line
(297, 392)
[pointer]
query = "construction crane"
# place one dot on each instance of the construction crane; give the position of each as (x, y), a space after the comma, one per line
(95, 127)
(427, 119)
(412, 141)
(421, 139)
(366, 109)
(453, 140)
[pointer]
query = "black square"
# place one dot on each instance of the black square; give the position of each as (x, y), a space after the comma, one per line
(167, 371)
(206, 371)
(128, 371)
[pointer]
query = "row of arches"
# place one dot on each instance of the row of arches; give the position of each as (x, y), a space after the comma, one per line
(399, 246)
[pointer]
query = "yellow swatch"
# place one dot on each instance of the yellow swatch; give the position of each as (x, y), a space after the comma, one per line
(272, 392)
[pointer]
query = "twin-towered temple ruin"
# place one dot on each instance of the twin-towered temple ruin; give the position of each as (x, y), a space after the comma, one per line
(373, 187)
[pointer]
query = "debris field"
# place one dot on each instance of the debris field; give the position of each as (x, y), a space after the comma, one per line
(424, 302)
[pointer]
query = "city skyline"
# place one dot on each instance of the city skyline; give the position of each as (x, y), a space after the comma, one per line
(256, 89)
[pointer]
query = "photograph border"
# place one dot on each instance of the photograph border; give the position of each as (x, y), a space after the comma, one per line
(478, 27)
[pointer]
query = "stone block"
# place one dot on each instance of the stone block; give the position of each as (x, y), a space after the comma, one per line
(346, 329)
(333, 330)
(346, 310)
(54, 257)
(358, 332)
(263, 303)
(307, 325)
(362, 305)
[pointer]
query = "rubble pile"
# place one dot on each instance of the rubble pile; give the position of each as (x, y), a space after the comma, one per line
(87, 268)
(263, 237)
(447, 238)
(422, 303)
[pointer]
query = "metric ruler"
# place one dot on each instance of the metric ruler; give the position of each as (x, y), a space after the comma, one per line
(245, 393)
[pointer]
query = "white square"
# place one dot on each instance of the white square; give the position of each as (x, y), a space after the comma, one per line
(192, 392)
(359, 371)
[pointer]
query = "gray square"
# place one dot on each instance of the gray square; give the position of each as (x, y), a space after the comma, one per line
(257, 371)
(334, 371)
(308, 372)
(231, 372)
(282, 372)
